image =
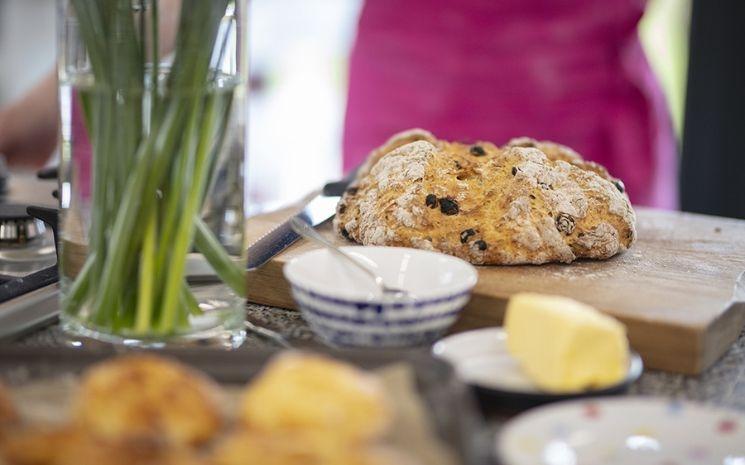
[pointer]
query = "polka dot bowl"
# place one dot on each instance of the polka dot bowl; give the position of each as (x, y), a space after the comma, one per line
(624, 430)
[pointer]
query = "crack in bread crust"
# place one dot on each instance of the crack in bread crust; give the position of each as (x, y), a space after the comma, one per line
(527, 202)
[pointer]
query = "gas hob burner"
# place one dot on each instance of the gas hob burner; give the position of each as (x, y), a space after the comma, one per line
(26, 243)
(18, 228)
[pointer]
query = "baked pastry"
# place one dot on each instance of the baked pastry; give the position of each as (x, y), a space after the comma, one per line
(148, 398)
(146, 409)
(527, 202)
(304, 392)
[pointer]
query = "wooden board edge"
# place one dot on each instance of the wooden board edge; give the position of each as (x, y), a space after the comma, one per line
(666, 347)
(269, 276)
(685, 350)
(721, 334)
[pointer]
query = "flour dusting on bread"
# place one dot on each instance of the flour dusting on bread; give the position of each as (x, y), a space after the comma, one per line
(527, 202)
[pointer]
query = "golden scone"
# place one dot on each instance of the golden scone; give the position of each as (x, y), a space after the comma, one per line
(304, 448)
(488, 204)
(147, 397)
(311, 392)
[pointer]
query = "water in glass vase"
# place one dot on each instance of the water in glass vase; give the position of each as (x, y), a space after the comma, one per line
(152, 188)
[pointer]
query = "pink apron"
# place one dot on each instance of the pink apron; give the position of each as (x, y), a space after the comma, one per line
(571, 71)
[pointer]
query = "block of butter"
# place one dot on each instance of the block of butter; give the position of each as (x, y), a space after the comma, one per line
(564, 345)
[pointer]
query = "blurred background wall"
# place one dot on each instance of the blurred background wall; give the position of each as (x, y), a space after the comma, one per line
(298, 62)
(299, 59)
(27, 44)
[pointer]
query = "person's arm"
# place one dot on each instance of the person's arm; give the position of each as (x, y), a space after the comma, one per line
(28, 126)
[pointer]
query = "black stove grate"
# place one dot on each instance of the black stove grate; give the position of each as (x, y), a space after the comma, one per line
(10, 286)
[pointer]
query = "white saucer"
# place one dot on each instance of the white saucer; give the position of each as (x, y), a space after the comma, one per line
(624, 430)
(480, 358)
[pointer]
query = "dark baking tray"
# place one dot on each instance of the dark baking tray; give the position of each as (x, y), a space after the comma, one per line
(450, 403)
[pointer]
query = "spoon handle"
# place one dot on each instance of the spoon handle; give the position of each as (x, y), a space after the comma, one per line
(307, 231)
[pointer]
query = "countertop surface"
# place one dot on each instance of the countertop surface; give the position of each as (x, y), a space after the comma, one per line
(723, 384)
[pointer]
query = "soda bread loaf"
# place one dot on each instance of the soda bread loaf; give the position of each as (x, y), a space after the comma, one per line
(527, 202)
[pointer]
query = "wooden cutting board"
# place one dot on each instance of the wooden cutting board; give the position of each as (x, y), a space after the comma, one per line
(673, 289)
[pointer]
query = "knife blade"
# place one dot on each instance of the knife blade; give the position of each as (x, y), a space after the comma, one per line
(316, 212)
(320, 209)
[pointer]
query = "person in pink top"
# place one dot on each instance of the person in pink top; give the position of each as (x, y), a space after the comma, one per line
(571, 71)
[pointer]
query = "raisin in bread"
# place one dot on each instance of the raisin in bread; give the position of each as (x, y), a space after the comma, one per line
(527, 202)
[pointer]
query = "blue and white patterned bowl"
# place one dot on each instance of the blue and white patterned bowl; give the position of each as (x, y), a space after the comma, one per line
(344, 306)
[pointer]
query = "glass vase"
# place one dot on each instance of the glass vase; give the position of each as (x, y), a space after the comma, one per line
(153, 108)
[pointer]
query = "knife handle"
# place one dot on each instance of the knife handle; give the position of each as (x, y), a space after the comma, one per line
(337, 188)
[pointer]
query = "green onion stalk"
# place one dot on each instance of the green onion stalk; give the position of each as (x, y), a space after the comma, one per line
(156, 135)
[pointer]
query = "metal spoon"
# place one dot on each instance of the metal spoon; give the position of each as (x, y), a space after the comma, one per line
(267, 333)
(307, 231)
